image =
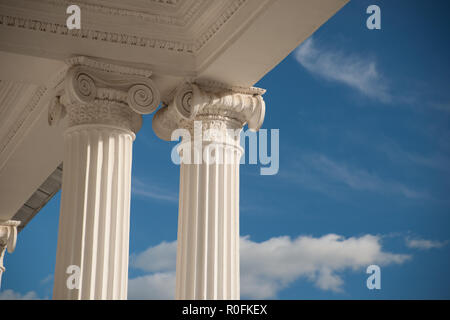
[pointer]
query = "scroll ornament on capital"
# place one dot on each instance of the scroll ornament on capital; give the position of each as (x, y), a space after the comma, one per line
(101, 93)
(216, 105)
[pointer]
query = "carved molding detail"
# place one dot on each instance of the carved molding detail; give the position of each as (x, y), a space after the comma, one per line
(151, 17)
(127, 39)
(216, 105)
(224, 17)
(101, 93)
(23, 117)
(113, 37)
(107, 67)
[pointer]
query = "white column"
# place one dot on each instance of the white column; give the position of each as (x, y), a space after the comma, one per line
(208, 220)
(8, 239)
(95, 212)
(101, 102)
(208, 231)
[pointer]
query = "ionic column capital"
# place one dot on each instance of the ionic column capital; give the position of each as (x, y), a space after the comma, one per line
(8, 240)
(8, 234)
(96, 92)
(218, 107)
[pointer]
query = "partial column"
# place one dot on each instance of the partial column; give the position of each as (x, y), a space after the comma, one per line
(103, 103)
(209, 118)
(8, 240)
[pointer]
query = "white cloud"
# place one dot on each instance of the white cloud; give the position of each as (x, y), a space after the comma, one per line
(13, 295)
(270, 266)
(424, 244)
(352, 70)
(278, 262)
(160, 285)
(158, 258)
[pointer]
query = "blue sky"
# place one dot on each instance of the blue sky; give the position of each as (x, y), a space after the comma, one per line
(364, 120)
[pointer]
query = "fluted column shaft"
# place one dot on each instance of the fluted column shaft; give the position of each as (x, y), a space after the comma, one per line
(95, 212)
(208, 228)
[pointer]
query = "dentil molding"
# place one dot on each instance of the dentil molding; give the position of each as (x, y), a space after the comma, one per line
(188, 46)
(159, 18)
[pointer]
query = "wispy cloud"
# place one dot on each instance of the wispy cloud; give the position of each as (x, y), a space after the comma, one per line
(47, 279)
(271, 266)
(440, 106)
(13, 295)
(152, 191)
(362, 74)
(436, 161)
(320, 173)
(353, 70)
(424, 244)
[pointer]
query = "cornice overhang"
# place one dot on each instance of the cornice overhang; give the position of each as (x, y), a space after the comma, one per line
(231, 42)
